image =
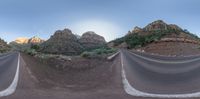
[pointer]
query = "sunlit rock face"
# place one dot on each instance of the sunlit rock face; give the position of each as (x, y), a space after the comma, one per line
(21, 40)
(24, 40)
(91, 40)
(35, 40)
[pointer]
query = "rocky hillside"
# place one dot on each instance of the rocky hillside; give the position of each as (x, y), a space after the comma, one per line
(24, 40)
(3, 46)
(62, 42)
(23, 43)
(171, 30)
(154, 32)
(65, 42)
(90, 40)
(35, 40)
(21, 40)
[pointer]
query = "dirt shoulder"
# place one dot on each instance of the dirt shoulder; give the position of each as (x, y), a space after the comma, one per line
(40, 81)
(37, 81)
(172, 48)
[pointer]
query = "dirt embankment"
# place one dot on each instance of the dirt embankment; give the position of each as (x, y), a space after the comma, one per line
(172, 48)
(75, 74)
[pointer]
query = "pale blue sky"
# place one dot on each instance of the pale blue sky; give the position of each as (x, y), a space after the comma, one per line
(109, 18)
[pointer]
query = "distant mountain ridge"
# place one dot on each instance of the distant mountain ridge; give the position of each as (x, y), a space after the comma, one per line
(155, 31)
(25, 40)
(171, 30)
(90, 40)
(65, 42)
(62, 42)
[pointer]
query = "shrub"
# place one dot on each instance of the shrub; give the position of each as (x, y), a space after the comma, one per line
(31, 52)
(98, 52)
(136, 40)
(118, 41)
(35, 46)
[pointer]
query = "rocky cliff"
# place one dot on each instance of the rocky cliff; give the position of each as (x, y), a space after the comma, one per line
(62, 42)
(35, 40)
(159, 26)
(155, 31)
(23, 43)
(90, 40)
(24, 40)
(21, 40)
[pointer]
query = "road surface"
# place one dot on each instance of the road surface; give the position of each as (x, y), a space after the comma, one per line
(162, 76)
(148, 77)
(9, 67)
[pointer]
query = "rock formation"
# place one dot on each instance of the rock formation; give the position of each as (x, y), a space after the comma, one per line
(155, 31)
(21, 40)
(91, 40)
(24, 40)
(156, 25)
(62, 42)
(35, 40)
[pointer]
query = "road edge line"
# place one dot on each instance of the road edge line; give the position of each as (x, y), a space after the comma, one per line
(168, 62)
(112, 56)
(134, 92)
(12, 87)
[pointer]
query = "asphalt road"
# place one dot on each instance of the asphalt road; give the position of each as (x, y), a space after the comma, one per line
(8, 67)
(160, 74)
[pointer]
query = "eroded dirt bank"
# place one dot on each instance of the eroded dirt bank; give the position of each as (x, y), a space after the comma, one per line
(172, 48)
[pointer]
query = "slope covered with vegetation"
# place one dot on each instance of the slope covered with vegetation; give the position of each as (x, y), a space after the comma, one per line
(153, 32)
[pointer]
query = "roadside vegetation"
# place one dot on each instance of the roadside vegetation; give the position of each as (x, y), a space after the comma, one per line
(32, 50)
(4, 46)
(135, 40)
(102, 51)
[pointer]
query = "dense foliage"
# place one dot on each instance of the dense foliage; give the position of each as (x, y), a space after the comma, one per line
(3, 46)
(134, 40)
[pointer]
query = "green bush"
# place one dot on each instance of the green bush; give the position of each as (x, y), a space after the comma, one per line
(119, 41)
(136, 40)
(35, 46)
(98, 52)
(31, 52)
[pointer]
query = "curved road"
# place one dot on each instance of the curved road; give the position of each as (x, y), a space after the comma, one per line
(162, 75)
(143, 75)
(9, 64)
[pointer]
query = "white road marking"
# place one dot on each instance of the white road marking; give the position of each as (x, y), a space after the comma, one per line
(112, 56)
(11, 89)
(134, 92)
(167, 62)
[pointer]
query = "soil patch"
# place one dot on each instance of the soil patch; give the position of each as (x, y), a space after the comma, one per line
(75, 74)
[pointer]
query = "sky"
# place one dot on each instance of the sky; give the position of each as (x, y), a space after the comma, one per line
(108, 18)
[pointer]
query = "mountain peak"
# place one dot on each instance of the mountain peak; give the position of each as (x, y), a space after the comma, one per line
(156, 25)
(35, 40)
(136, 29)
